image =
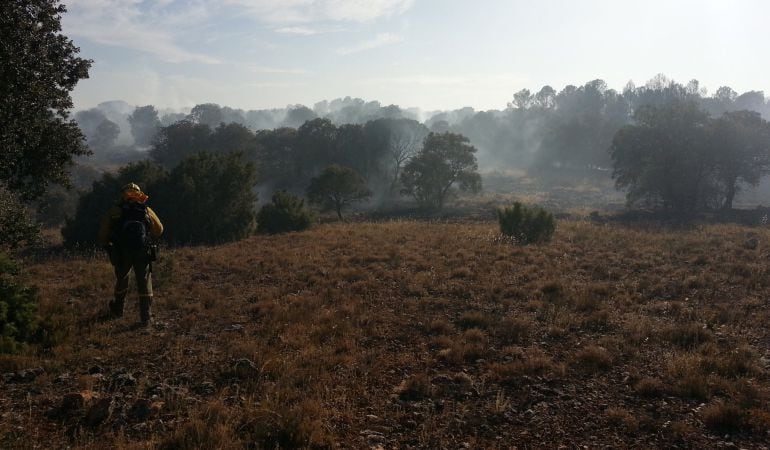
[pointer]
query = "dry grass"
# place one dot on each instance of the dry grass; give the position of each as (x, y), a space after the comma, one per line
(409, 334)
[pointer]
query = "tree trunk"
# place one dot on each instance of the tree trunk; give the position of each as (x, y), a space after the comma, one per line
(729, 195)
(339, 211)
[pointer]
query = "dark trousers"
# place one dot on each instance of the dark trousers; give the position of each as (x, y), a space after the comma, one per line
(123, 262)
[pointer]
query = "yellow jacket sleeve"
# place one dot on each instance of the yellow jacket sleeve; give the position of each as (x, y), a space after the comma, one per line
(156, 228)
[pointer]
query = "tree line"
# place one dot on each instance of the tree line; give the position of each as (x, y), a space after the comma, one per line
(203, 181)
(544, 129)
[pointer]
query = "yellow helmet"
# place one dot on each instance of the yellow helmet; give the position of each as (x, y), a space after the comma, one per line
(133, 193)
(132, 187)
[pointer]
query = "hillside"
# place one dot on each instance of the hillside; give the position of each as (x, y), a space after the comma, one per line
(410, 335)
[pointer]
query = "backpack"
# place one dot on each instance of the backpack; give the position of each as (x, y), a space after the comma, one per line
(132, 228)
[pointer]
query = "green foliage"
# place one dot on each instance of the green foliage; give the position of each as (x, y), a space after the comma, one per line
(145, 124)
(39, 69)
(286, 212)
(18, 304)
(16, 228)
(58, 203)
(664, 159)
(83, 227)
(179, 141)
(232, 138)
(337, 187)
(678, 158)
(209, 114)
(446, 160)
(526, 224)
(741, 144)
(208, 199)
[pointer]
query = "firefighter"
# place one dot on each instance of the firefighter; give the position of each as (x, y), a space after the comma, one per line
(126, 232)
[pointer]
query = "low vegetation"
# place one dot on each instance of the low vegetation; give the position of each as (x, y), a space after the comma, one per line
(408, 334)
(18, 303)
(285, 212)
(526, 224)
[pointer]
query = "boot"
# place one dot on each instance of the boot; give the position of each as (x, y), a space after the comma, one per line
(116, 308)
(145, 315)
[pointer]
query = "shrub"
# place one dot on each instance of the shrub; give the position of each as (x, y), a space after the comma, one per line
(526, 224)
(473, 319)
(650, 387)
(687, 335)
(417, 387)
(206, 199)
(16, 228)
(593, 359)
(285, 212)
(514, 330)
(724, 418)
(17, 308)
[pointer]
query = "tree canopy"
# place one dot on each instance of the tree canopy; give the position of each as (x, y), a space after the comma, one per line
(207, 198)
(145, 124)
(336, 188)
(445, 161)
(677, 157)
(39, 69)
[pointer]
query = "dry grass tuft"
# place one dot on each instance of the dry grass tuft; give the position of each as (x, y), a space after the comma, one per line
(592, 358)
(416, 387)
(687, 335)
(650, 387)
(724, 418)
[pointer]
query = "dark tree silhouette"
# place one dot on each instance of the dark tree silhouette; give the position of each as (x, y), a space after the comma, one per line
(39, 69)
(445, 160)
(336, 188)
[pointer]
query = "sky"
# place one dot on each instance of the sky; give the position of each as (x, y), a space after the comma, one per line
(429, 54)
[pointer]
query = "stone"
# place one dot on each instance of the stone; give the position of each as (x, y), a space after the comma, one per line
(245, 368)
(140, 410)
(23, 376)
(205, 388)
(157, 390)
(124, 379)
(99, 412)
(62, 378)
(441, 379)
(76, 400)
(34, 373)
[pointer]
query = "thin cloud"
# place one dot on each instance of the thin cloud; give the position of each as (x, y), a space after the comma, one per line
(304, 31)
(275, 70)
(277, 84)
(444, 81)
(380, 41)
(122, 23)
(308, 11)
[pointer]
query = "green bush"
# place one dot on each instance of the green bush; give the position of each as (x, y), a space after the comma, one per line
(206, 199)
(526, 224)
(18, 304)
(285, 212)
(16, 227)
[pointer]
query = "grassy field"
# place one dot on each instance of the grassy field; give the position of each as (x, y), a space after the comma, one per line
(410, 335)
